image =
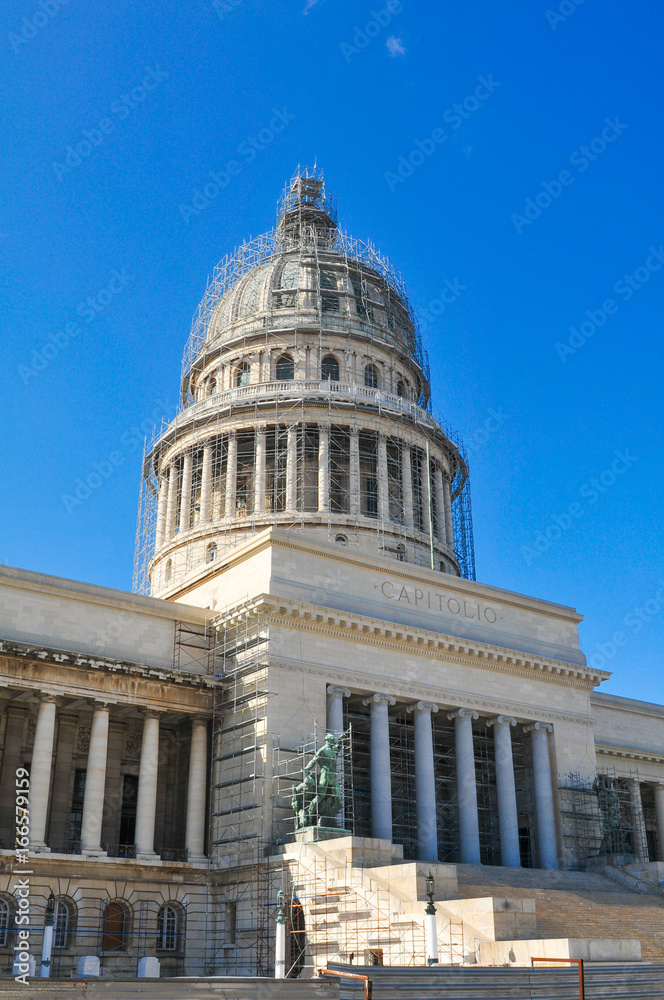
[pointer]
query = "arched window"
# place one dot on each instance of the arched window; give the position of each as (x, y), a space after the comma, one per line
(116, 926)
(285, 368)
(401, 389)
(371, 376)
(170, 927)
(64, 922)
(211, 552)
(329, 369)
(169, 570)
(212, 386)
(6, 921)
(243, 374)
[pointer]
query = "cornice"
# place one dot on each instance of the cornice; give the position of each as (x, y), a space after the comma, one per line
(38, 654)
(385, 634)
(630, 753)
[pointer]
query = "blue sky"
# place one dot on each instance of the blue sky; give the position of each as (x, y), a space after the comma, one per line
(538, 198)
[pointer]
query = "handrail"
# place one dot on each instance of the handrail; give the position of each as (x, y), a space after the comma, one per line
(368, 984)
(569, 961)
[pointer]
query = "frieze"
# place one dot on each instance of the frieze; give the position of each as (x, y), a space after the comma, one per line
(435, 600)
(439, 695)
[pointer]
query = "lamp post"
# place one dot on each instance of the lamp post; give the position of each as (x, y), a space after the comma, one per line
(430, 929)
(47, 943)
(280, 942)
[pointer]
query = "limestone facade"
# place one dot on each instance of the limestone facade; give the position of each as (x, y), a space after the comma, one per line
(307, 542)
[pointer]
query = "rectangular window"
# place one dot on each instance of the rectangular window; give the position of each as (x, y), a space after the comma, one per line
(307, 492)
(128, 811)
(418, 466)
(368, 474)
(244, 488)
(218, 479)
(275, 469)
(196, 484)
(395, 480)
(339, 470)
(76, 811)
(231, 922)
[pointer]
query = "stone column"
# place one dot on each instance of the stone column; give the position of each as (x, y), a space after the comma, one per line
(659, 814)
(323, 468)
(425, 782)
(259, 471)
(146, 804)
(440, 505)
(447, 497)
(544, 808)
(231, 475)
(206, 482)
(95, 783)
(335, 708)
(383, 486)
(291, 467)
(407, 481)
(172, 502)
(40, 772)
(197, 790)
(639, 838)
(354, 478)
(469, 826)
(185, 503)
(381, 774)
(508, 822)
(161, 512)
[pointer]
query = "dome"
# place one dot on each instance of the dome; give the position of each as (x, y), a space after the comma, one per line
(304, 273)
(305, 407)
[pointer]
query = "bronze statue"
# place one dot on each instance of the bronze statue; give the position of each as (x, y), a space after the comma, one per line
(317, 800)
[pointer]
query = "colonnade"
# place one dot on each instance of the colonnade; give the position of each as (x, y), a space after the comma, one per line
(175, 486)
(95, 782)
(425, 783)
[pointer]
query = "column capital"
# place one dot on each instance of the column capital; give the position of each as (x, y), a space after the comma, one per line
(501, 720)
(463, 713)
(152, 713)
(199, 720)
(377, 699)
(535, 727)
(46, 698)
(422, 706)
(338, 689)
(97, 703)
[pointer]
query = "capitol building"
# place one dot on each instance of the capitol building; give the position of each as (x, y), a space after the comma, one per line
(305, 567)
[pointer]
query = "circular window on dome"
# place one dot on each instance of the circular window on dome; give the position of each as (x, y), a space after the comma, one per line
(341, 539)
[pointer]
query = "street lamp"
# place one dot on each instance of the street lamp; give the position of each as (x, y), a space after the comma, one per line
(430, 928)
(280, 941)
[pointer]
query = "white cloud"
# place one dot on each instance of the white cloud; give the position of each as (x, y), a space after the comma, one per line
(394, 46)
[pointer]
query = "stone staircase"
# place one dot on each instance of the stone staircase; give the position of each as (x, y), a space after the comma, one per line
(574, 904)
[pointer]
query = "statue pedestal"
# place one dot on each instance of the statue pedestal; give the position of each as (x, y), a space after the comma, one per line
(311, 834)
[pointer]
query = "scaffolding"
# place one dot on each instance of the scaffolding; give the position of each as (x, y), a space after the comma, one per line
(599, 819)
(264, 418)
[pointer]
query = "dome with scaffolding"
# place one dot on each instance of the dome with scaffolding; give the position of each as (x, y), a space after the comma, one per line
(305, 405)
